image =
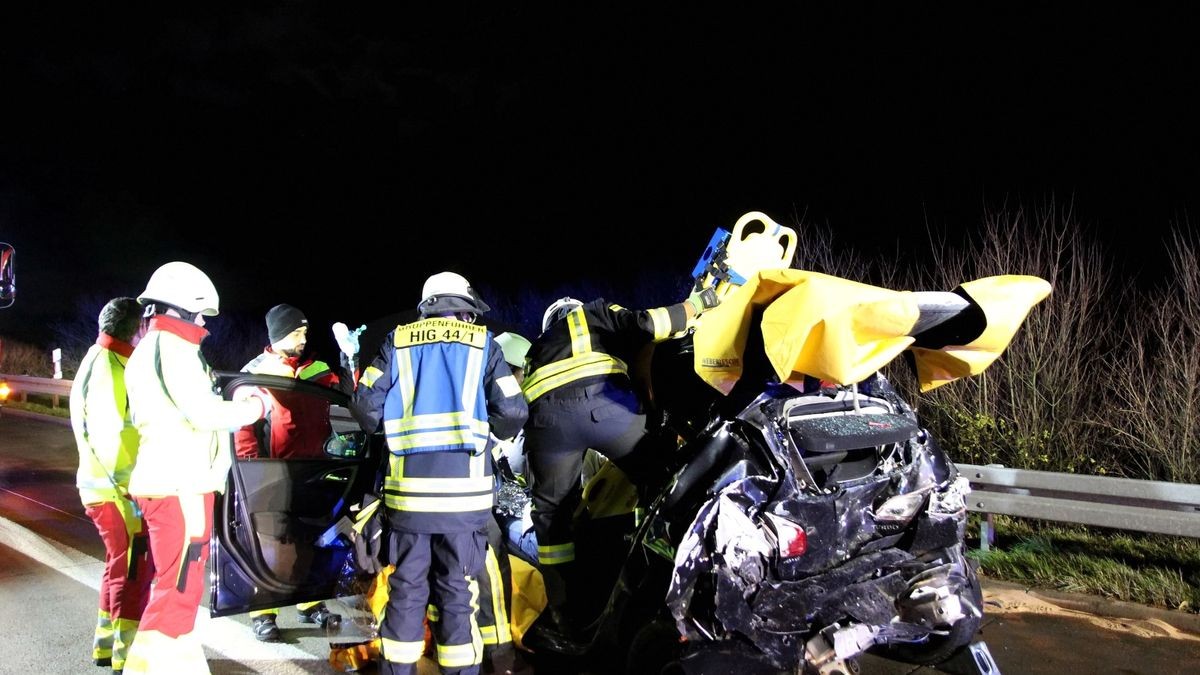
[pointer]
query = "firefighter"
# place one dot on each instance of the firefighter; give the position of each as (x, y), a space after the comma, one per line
(442, 390)
(108, 446)
(581, 396)
(496, 581)
(183, 460)
(296, 426)
(511, 453)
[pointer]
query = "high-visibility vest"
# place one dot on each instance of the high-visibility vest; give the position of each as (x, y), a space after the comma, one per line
(104, 434)
(435, 419)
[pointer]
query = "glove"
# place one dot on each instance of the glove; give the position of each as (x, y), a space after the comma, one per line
(347, 341)
(703, 299)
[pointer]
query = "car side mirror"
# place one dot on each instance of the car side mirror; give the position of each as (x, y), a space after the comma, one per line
(8, 275)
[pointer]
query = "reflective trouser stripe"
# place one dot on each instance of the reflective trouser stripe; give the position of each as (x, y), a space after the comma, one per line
(458, 656)
(556, 554)
(154, 652)
(125, 630)
(103, 642)
(446, 560)
(501, 634)
(125, 584)
(401, 652)
(469, 654)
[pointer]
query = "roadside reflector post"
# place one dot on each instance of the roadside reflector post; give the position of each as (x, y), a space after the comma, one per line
(56, 355)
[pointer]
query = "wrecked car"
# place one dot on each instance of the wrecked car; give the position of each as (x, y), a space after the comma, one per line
(812, 519)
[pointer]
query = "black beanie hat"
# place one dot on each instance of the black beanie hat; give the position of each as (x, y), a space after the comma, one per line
(283, 319)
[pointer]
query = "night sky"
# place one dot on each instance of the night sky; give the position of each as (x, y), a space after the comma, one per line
(333, 158)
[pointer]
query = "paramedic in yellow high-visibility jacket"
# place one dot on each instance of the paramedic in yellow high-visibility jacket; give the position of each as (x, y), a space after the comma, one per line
(108, 446)
(183, 461)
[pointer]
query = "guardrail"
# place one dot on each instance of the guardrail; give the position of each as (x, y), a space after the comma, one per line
(1120, 503)
(21, 385)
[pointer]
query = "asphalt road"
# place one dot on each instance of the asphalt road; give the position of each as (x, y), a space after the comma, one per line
(50, 567)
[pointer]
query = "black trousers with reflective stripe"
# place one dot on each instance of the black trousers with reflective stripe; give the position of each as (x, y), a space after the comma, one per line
(490, 587)
(561, 428)
(443, 562)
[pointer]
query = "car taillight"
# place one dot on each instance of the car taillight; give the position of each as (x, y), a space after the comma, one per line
(901, 508)
(790, 538)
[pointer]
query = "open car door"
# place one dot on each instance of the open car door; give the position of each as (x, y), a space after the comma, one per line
(294, 478)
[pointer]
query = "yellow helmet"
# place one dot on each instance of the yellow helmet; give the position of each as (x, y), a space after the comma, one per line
(515, 348)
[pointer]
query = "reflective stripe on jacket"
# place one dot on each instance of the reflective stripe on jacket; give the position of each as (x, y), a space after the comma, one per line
(104, 435)
(184, 425)
(594, 343)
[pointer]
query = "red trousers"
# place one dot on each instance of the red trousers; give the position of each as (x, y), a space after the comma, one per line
(125, 585)
(179, 531)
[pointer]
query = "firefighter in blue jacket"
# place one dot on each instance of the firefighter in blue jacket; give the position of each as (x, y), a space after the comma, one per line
(441, 388)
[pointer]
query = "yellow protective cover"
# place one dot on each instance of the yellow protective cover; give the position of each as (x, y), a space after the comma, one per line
(844, 331)
(528, 598)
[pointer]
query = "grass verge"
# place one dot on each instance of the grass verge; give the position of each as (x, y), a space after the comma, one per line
(1149, 569)
(33, 407)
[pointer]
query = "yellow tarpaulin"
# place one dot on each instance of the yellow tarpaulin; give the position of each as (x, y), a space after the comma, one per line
(844, 331)
(528, 598)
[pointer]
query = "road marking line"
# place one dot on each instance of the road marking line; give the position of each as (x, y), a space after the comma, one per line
(236, 642)
(46, 506)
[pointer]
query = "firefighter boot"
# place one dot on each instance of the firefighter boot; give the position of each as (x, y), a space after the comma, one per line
(554, 632)
(265, 629)
(320, 615)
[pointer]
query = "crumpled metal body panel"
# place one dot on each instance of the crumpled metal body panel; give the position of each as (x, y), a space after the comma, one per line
(729, 579)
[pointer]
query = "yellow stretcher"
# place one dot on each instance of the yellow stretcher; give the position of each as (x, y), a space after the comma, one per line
(731, 258)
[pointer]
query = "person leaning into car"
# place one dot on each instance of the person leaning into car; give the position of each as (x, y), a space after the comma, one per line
(296, 427)
(581, 396)
(108, 446)
(443, 392)
(183, 460)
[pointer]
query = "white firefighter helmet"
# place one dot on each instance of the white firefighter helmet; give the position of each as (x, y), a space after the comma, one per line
(446, 293)
(182, 285)
(515, 348)
(558, 309)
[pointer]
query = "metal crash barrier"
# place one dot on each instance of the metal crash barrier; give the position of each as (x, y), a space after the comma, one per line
(1119, 503)
(22, 385)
